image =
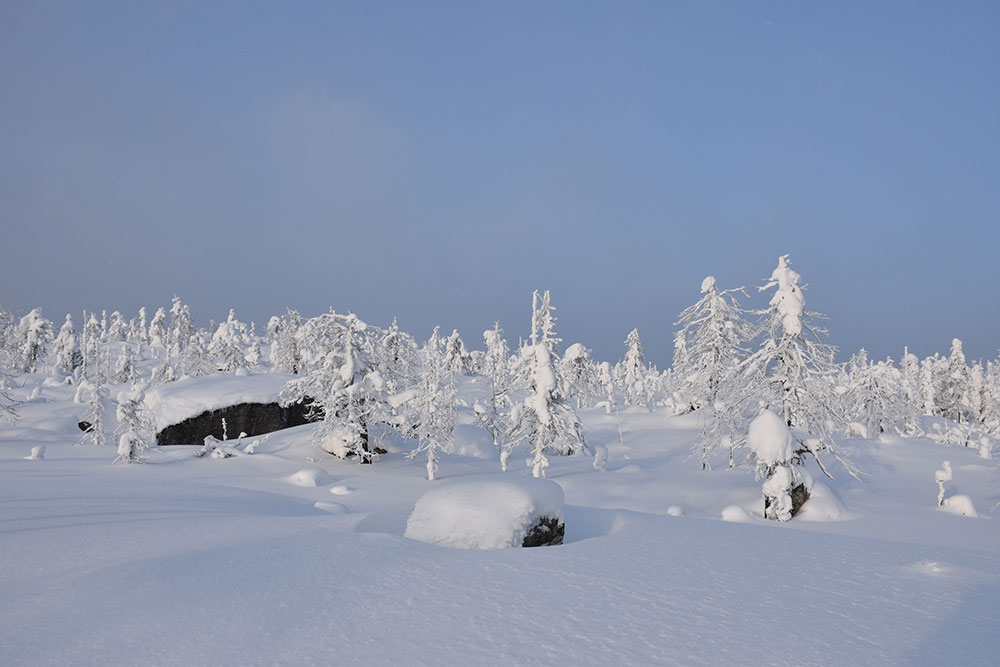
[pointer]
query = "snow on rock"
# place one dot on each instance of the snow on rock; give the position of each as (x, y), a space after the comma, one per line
(769, 439)
(173, 402)
(473, 441)
(488, 512)
(310, 477)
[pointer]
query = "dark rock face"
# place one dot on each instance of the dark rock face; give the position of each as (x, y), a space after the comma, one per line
(249, 418)
(546, 532)
(86, 427)
(799, 496)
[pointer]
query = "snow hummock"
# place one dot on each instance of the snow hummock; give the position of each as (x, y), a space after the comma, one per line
(310, 477)
(960, 504)
(173, 402)
(487, 512)
(735, 514)
(769, 439)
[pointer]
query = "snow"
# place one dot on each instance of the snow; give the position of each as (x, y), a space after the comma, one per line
(202, 562)
(960, 504)
(486, 512)
(310, 477)
(173, 402)
(769, 439)
(473, 441)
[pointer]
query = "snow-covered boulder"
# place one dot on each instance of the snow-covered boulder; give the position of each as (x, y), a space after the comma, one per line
(187, 410)
(490, 512)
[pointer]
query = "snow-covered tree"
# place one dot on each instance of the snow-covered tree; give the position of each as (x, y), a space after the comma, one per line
(876, 399)
(953, 397)
(96, 394)
(793, 371)
(631, 371)
(125, 366)
(197, 361)
(343, 384)
(117, 328)
(33, 335)
(285, 354)
(139, 329)
(66, 349)
(456, 357)
(229, 342)
(495, 367)
(134, 426)
(713, 335)
(396, 358)
(90, 346)
(436, 402)
(158, 334)
(580, 375)
(772, 451)
(544, 419)
(254, 354)
(181, 327)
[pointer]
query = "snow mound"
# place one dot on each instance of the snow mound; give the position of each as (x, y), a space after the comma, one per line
(736, 514)
(340, 490)
(675, 510)
(823, 505)
(473, 441)
(37, 453)
(490, 512)
(332, 508)
(173, 402)
(310, 477)
(960, 504)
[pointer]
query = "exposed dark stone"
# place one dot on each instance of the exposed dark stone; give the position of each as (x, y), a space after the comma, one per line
(548, 531)
(249, 418)
(86, 427)
(799, 496)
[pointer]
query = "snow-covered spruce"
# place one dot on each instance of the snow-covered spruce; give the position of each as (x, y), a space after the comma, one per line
(135, 427)
(490, 512)
(436, 401)
(544, 419)
(710, 343)
(770, 444)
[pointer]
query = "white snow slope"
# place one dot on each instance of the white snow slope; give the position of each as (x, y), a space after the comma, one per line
(186, 561)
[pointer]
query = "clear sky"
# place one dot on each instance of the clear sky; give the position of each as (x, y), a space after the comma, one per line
(437, 161)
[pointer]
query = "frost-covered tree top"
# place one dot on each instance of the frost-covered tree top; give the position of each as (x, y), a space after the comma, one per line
(543, 322)
(788, 301)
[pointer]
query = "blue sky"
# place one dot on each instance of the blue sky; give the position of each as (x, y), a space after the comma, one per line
(438, 161)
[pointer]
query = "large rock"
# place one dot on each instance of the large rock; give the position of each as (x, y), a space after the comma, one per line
(186, 411)
(249, 418)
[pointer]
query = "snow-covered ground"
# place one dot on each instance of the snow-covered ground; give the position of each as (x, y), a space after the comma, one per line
(292, 556)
